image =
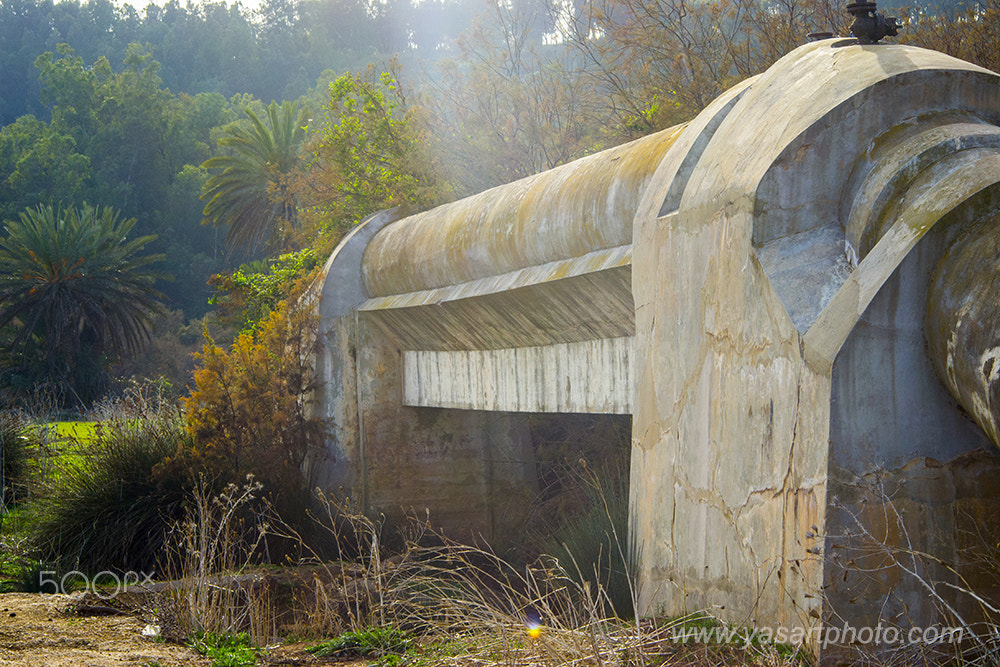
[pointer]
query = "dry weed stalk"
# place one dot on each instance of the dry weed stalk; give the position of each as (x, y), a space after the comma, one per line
(980, 640)
(467, 594)
(212, 551)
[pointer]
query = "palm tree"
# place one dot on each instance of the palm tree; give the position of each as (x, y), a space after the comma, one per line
(249, 190)
(74, 293)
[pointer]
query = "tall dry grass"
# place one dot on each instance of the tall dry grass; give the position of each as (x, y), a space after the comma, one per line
(209, 564)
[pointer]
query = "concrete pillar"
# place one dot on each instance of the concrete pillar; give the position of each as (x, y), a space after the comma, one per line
(780, 271)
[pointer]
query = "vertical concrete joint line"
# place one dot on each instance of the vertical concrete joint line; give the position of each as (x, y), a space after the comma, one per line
(356, 335)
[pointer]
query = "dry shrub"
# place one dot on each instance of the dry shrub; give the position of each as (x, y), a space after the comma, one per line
(249, 411)
(457, 603)
(440, 589)
(212, 551)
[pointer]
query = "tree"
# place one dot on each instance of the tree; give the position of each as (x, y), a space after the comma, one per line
(249, 410)
(514, 104)
(74, 293)
(120, 139)
(39, 165)
(252, 292)
(659, 63)
(249, 190)
(367, 156)
(969, 32)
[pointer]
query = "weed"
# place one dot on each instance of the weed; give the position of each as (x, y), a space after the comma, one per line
(367, 642)
(214, 548)
(226, 650)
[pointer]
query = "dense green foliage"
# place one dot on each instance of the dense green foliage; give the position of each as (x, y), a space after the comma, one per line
(273, 54)
(251, 193)
(252, 292)
(120, 139)
(14, 440)
(74, 290)
(366, 147)
(370, 642)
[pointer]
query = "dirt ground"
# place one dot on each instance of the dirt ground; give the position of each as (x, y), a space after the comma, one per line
(35, 631)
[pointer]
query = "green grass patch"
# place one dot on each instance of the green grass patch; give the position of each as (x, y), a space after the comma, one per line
(57, 446)
(225, 650)
(19, 574)
(82, 432)
(374, 642)
(437, 651)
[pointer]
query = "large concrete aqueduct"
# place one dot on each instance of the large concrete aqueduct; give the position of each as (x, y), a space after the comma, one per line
(793, 295)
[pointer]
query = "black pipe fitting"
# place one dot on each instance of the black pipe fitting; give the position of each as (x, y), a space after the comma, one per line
(869, 25)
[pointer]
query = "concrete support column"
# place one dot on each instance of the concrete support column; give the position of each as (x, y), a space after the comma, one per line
(729, 456)
(341, 291)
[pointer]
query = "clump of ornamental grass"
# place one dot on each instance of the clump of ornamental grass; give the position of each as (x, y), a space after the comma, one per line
(108, 509)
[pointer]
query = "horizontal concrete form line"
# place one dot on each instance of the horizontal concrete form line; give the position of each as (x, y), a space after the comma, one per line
(591, 376)
(592, 262)
(559, 302)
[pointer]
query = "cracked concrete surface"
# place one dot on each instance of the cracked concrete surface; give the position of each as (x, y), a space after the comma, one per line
(756, 288)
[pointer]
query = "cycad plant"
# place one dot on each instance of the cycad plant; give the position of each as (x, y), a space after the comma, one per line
(75, 292)
(249, 188)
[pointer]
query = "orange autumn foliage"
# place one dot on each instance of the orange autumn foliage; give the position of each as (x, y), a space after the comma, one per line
(248, 412)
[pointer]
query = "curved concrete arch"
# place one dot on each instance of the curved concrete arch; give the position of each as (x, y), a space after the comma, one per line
(341, 281)
(938, 190)
(793, 137)
(897, 157)
(746, 290)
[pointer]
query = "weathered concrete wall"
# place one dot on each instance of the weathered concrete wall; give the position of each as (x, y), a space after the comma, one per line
(814, 183)
(341, 291)
(963, 322)
(753, 287)
(472, 472)
(910, 472)
(564, 301)
(592, 376)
